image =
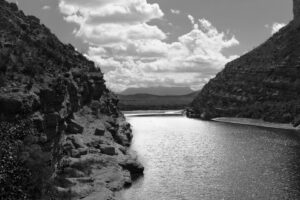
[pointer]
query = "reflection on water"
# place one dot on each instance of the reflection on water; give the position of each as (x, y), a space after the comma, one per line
(187, 159)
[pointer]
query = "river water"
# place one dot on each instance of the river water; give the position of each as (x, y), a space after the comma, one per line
(188, 159)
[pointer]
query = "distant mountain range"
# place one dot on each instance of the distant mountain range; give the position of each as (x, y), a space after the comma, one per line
(159, 91)
(155, 102)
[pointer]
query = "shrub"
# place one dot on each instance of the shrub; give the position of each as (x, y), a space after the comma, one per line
(33, 70)
(2, 80)
(14, 176)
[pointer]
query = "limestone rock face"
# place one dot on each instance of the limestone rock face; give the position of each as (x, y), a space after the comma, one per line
(296, 8)
(56, 117)
(262, 84)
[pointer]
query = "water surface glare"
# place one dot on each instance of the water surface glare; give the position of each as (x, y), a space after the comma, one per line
(188, 159)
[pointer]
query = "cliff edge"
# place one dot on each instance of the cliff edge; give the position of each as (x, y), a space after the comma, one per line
(262, 84)
(296, 9)
(62, 135)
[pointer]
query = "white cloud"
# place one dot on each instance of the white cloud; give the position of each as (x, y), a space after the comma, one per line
(275, 27)
(192, 19)
(111, 11)
(116, 33)
(133, 53)
(103, 21)
(46, 7)
(176, 12)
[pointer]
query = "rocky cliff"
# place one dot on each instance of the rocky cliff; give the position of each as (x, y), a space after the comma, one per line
(296, 9)
(262, 84)
(61, 133)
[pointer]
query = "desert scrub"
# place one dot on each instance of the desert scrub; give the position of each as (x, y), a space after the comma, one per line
(14, 175)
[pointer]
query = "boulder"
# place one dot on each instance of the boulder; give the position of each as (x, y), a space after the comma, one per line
(75, 153)
(71, 172)
(74, 128)
(94, 151)
(99, 132)
(83, 151)
(108, 150)
(133, 166)
(76, 141)
(68, 146)
(63, 182)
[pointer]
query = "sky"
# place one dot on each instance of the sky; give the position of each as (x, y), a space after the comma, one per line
(151, 43)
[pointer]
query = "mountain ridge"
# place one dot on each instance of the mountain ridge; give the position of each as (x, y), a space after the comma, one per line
(159, 91)
(262, 84)
(155, 102)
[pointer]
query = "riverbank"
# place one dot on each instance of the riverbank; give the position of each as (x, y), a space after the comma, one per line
(256, 122)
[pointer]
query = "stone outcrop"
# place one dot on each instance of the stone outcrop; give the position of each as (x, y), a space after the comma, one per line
(62, 134)
(262, 84)
(296, 9)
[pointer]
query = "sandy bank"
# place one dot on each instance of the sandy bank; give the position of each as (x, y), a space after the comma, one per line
(256, 122)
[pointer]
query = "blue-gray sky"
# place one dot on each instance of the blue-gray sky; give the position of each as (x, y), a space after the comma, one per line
(140, 43)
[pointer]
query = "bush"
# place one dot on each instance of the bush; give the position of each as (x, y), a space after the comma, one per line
(14, 176)
(2, 80)
(32, 70)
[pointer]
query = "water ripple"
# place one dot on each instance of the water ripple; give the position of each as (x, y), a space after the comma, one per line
(188, 159)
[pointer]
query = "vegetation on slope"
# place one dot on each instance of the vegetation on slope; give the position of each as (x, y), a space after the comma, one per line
(262, 84)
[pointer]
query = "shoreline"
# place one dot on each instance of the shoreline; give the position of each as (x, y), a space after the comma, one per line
(256, 122)
(142, 113)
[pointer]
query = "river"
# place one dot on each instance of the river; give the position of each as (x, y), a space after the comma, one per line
(189, 159)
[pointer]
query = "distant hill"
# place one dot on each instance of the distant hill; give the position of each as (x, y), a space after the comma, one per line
(155, 102)
(262, 84)
(160, 91)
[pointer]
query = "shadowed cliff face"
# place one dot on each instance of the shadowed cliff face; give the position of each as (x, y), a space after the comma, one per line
(296, 9)
(263, 84)
(61, 130)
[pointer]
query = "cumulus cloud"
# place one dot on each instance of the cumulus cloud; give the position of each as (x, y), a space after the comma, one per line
(275, 27)
(193, 22)
(176, 12)
(46, 7)
(110, 11)
(192, 19)
(103, 21)
(133, 53)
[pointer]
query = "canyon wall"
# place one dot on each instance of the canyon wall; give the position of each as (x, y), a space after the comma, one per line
(62, 135)
(296, 9)
(262, 84)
